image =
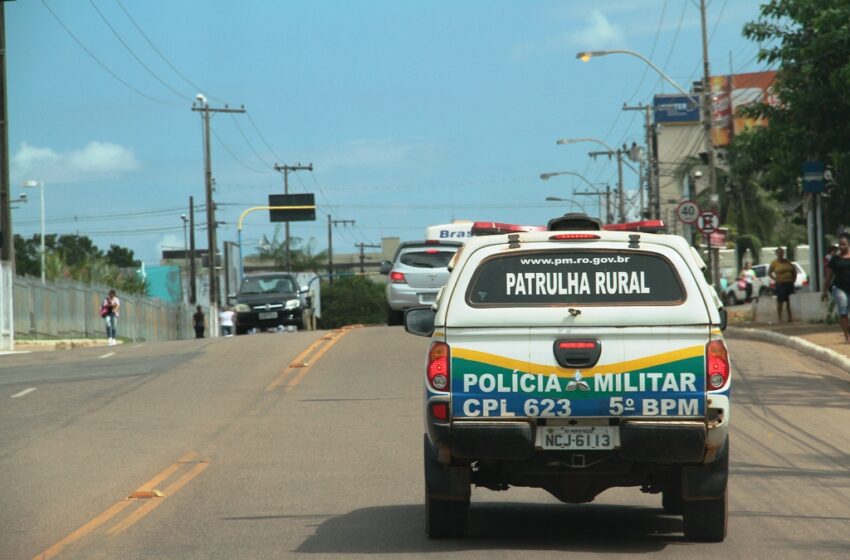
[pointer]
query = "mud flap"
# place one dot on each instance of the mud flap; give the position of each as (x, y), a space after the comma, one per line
(709, 481)
(445, 482)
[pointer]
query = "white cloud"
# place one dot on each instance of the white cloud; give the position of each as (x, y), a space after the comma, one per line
(365, 153)
(94, 162)
(597, 33)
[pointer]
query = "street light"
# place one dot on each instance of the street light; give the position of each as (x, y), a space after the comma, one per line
(40, 185)
(585, 56)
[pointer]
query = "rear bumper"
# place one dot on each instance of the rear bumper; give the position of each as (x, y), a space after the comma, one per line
(402, 296)
(645, 441)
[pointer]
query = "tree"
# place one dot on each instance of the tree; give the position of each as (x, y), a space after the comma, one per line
(811, 118)
(121, 257)
(350, 300)
(76, 249)
(300, 251)
(27, 259)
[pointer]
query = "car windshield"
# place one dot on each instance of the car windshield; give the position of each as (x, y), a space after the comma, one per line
(427, 258)
(268, 286)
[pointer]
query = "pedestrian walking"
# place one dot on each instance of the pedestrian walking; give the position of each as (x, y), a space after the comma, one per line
(225, 318)
(109, 310)
(784, 274)
(199, 322)
(838, 282)
(748, 276)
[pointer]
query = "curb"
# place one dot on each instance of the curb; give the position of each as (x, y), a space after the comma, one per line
(818, 352)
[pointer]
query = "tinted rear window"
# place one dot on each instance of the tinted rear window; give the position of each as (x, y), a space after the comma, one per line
(575, 277)
(427, 258)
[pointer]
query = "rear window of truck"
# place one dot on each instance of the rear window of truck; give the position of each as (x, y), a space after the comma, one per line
(575, 277)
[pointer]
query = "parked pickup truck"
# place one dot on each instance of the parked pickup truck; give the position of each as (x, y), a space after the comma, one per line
(576, 358)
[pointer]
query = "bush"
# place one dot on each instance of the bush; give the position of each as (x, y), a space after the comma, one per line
(351, 300)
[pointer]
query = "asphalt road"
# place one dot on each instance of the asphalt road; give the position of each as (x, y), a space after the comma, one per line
(309, 445)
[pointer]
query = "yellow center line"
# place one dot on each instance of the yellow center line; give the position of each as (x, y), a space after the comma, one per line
(115, 509)
(151, 505)
(111, 512)
(300, 358)
(297, 379)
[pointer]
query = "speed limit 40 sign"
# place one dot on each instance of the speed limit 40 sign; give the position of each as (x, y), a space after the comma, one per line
(687, 211)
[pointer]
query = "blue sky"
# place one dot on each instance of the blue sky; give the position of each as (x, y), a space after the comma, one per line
(412, 113)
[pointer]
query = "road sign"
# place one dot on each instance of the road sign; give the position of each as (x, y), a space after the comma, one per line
(302, 207)
(813, 176)
(708, 221)
(687, 211)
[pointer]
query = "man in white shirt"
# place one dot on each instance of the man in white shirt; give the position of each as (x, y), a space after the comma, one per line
(225, 318)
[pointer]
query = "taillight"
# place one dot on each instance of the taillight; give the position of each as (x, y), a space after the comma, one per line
(577, 345)
(573, 236)
(716, 364)
(438, 366)
(397, 277)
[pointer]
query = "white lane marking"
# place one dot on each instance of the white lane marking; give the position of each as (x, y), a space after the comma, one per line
(106, 355)
(24, 392)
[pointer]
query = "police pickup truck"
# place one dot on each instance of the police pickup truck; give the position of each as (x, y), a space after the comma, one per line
(575, 358)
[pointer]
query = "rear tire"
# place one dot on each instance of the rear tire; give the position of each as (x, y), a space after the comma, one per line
(241, 330)
(445, 519)
(731, 300)
(671, 496)
(706, 520)
(394, 317)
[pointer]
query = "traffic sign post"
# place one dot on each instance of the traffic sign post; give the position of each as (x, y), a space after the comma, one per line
(687, 211)
(708, 222)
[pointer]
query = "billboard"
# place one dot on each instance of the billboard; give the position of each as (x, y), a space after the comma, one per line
(676, 109)
(754, 87)
(721, 111)
(306, 211)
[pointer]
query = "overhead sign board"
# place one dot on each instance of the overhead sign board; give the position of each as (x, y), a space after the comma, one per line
(676, 109)
(292, 207)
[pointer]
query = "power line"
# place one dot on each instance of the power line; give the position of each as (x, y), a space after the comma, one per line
(161, 55)
(259, 157)
(234, 156)
(133, 54)
(98, 61)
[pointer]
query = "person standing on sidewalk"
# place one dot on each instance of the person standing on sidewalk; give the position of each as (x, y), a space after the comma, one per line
(838, 281)
(199, 322)
(225, 318)
(784, 274)
(109, 310)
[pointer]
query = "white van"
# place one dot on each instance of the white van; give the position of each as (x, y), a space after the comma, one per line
(576, 359)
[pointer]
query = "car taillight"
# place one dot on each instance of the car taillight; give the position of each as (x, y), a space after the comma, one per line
(397, 278)
(716, 364)
(573, 236)
(438, 366)
(577, 345)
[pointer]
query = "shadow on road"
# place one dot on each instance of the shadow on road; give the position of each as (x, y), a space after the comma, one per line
(598, 528)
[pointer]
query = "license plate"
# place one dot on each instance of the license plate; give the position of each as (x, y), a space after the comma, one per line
(427, 298)
(579, 437)
(268, 315)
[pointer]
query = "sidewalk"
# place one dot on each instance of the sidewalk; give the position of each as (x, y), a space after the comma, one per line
(820, 340)
(61, 344)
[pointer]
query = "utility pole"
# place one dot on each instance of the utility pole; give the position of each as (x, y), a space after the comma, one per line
(709, 148)
(331, 223)
(363, 254)
(7, 242)
(606, 194)
(621, 192)
(286, 169)
(203, 107)
(193, 297)
(651, 180)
